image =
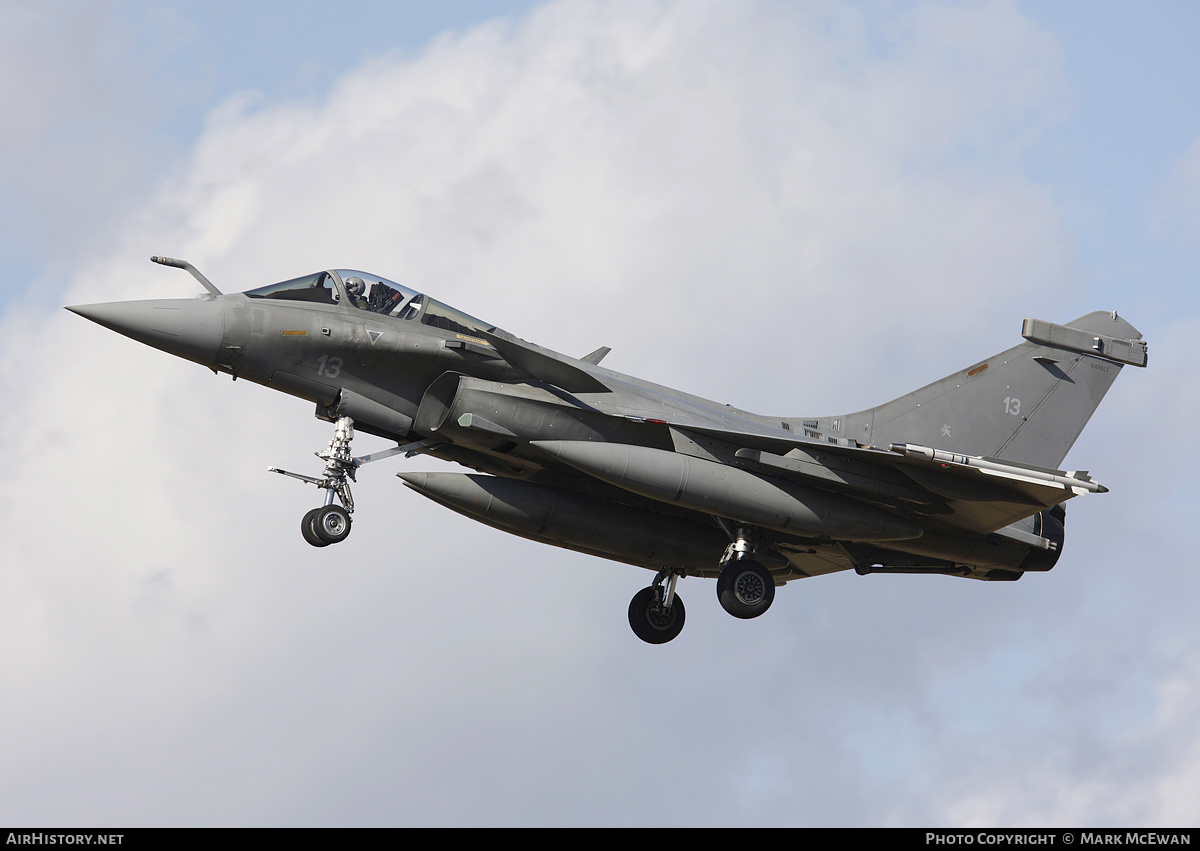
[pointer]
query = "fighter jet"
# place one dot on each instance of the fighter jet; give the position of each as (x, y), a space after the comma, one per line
(958, 478)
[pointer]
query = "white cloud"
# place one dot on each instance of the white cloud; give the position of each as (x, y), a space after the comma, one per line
(795, 211)
(84, 91)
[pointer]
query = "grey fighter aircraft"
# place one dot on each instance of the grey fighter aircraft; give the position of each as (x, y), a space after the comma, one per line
(959, 478)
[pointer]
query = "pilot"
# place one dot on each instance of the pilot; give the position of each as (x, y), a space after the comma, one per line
(358, 292)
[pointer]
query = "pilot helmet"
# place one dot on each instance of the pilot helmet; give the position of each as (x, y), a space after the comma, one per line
(356, 286)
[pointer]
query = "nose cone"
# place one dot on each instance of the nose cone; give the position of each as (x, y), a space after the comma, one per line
(184, 327)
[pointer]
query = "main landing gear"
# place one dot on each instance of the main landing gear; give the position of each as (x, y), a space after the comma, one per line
(744, 587)
(330, 523)
(656, 614)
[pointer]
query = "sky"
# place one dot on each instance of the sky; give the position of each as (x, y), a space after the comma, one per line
(796, 208)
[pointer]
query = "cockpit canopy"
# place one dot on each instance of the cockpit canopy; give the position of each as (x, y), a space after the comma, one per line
(372, 293)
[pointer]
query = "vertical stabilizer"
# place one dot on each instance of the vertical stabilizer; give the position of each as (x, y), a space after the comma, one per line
(1027, 404)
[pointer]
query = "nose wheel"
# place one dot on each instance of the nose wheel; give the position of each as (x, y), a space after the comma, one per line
(310, 532)
(326, 525)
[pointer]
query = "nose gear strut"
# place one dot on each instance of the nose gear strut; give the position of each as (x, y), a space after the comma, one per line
(330, 524)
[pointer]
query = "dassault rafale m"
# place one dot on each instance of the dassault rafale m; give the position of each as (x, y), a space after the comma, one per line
(959, 478)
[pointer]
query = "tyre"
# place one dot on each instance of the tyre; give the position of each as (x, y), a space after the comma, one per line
(308, 530)
(745, 588)
(650, 620)
(331, 524)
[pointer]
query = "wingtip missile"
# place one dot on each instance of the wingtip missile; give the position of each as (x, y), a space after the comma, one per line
(1077, 482)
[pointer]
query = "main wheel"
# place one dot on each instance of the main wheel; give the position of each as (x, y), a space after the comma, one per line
(310, 533)
(745, 588)
(331, 524)
(651, 621)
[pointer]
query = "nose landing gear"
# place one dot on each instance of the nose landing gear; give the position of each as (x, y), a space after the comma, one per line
(330, 523)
